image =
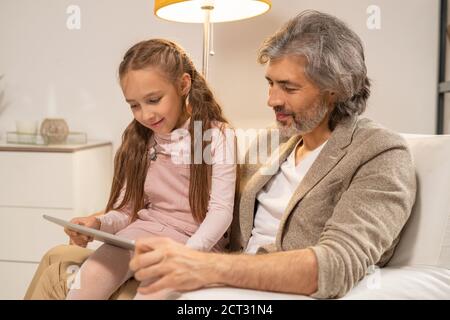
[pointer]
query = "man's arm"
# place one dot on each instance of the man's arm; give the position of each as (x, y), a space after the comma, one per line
(289, 271)
(368, 218)
(183, 269)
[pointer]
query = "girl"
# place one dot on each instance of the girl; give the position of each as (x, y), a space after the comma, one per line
(155, 190)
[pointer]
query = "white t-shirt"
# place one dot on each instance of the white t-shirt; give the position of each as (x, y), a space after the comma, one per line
(274, 198)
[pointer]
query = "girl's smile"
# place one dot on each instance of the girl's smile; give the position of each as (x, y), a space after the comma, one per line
(156, 124)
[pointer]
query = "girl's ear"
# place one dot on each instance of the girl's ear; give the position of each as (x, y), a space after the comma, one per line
(186, 83)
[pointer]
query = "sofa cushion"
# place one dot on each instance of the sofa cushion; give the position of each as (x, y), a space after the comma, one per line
(407, 282)
(425, 239)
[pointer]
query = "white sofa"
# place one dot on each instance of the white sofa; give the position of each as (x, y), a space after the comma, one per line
(420, 267)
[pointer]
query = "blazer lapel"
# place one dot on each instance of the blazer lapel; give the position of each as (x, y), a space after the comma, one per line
(328, 158)
(257, 182)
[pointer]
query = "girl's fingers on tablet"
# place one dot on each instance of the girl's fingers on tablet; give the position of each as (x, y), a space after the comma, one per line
(69, 232)
(80, 242)
(73, 234)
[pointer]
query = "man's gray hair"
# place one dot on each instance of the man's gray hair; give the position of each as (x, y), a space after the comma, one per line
(335, 59)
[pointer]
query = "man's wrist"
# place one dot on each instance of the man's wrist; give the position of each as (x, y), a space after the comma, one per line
(221, 268)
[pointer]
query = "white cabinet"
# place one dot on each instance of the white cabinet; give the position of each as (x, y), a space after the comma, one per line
(63, 181)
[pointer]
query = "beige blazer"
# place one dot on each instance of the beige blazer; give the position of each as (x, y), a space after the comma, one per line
(349, 209)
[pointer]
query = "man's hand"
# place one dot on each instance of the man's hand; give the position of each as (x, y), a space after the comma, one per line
(164, 263)
(78, 238)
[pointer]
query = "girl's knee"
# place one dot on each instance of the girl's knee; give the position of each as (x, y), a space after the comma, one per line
(107, 259)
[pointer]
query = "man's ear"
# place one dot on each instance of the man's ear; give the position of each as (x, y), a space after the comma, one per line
(331, 98)
(186, 83)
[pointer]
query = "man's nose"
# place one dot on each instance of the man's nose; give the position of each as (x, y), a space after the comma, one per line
(275, 98)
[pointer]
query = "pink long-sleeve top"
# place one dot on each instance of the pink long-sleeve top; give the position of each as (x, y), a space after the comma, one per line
(166, 189)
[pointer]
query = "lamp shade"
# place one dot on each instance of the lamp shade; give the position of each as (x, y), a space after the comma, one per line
(190, 11)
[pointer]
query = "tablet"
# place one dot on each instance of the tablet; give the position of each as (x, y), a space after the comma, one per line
(96, 234)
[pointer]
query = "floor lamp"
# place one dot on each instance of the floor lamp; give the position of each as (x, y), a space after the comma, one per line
(208, 12)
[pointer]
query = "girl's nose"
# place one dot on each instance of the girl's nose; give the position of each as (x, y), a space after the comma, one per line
(148, 114)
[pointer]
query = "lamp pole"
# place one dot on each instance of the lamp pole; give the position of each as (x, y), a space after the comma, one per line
(207, 8)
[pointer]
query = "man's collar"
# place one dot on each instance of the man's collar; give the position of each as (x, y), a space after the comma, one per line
(341, 136)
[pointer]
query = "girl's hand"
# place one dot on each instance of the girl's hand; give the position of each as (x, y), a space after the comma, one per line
(79, 239)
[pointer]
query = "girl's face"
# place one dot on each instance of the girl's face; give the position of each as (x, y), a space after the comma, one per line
(155, 102)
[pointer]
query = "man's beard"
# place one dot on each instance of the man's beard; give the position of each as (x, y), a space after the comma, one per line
(303, 121)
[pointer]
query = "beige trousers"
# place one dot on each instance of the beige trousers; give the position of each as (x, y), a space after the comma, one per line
(56, 271)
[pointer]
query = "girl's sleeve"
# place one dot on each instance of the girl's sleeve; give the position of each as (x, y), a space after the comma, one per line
(115, 220)
(221, 202)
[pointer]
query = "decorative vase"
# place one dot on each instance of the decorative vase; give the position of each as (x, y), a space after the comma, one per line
(54, 131)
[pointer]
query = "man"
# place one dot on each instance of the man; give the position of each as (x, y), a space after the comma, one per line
(342, 192)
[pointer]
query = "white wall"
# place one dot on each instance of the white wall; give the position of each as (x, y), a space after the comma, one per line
(49, 67)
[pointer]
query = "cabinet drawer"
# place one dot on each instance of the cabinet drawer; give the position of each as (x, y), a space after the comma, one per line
(26, 236)
(36, 179)
(15, 278)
